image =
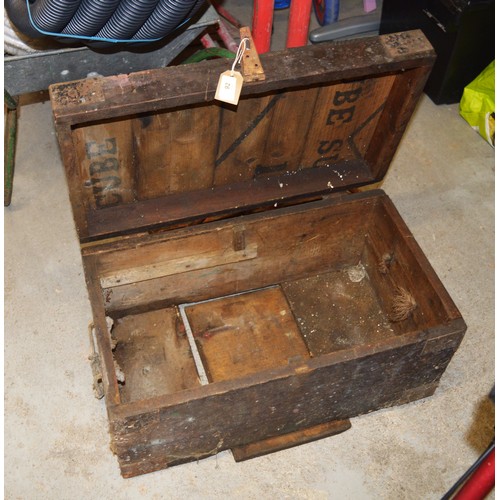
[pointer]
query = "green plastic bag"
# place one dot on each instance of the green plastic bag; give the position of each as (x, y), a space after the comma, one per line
(477, 105)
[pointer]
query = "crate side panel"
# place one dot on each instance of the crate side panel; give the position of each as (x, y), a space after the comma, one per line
(105, 163)
(185, 141)
(344, 120)
(407, 286)
(206, 425)
(242, 137)
(276, 248)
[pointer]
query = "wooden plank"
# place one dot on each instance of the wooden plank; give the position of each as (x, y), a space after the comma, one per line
(310, 394)
(288, 131)
(245, 334)
(104, 156)
(153, 352)
(176, 151)
(291, 244)
(102, 334)
(94, 99)
(233, 198)
(344, 120)
(279, 443)
(137, 274)
(338, 310)
(79, 200)
(251, 66)
(242, 137)
(394, 119)
(395, 261)
(150, 133)
(171, 254)
(378, 258)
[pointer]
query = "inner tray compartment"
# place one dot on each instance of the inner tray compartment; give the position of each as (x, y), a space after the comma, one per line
(338, 310)
(263, 291)
(246, 333)
(153, 354)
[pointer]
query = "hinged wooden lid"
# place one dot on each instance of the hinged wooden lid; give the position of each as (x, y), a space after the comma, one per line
(153, 148)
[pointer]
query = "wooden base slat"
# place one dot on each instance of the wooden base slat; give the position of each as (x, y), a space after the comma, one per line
(286, 441)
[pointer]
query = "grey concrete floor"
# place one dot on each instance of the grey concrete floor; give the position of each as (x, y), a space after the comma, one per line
(56, 439)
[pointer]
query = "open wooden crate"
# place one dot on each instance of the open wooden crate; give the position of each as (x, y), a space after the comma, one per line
(255, 302)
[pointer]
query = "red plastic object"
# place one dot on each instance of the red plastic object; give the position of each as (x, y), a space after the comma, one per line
(262, 24)
(208, 42)
(298, 23)
(226, 37)
(226, 15)
(481, 482)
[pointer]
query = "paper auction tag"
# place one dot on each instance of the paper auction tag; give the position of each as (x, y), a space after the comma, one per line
(229, 87)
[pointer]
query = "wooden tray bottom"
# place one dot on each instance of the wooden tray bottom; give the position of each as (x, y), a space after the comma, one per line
(153, 354)
(285, 441)
(338, 310)
(247, 333)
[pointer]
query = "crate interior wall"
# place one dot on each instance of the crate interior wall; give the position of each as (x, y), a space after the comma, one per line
(256, 302)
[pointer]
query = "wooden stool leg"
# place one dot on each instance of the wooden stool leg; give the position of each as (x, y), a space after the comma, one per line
(10, 123)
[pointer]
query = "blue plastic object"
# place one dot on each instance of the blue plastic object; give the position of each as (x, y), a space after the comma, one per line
(327, 11)
(281, 4)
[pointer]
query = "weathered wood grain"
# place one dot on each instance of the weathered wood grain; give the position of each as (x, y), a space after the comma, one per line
(345, 118)
(145, 91)
(150, 158)
(285, 441)
(153, 352)
(327, 388)
(204, 260)
(293, 116)
(242, 136)
(240, 197)
(291, 244)
(246, 333)
(105, 159)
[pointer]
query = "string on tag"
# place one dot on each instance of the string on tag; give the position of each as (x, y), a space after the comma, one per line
(231, 81)
(239, 53)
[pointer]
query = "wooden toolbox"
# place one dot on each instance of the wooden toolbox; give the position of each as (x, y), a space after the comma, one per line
(242, 297)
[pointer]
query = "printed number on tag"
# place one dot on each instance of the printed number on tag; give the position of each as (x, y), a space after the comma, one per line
(229, 87)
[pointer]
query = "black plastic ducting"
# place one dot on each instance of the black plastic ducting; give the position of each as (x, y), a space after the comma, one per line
(109, 19)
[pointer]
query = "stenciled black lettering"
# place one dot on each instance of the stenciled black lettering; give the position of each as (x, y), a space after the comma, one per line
(326, 146)
(108, 147)
(348, 96)
(109, 200)
(343, 115)
(104, 165)
(102, 188)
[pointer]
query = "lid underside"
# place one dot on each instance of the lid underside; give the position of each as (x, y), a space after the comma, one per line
(152, 149)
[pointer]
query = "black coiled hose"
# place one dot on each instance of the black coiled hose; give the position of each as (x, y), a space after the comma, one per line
(48, 15)
(162, 21)
(90, 17)
(127, 19)
(113, 20)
